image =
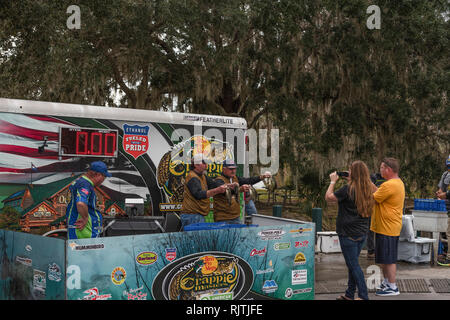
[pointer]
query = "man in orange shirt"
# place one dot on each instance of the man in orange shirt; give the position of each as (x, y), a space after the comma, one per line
(387, 224)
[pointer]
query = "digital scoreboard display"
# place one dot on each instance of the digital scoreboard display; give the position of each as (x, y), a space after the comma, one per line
(87, 142)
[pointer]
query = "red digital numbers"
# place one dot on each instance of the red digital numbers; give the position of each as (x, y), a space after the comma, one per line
(88, 142)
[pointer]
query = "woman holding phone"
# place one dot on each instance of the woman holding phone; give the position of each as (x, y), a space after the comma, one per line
(355, 206)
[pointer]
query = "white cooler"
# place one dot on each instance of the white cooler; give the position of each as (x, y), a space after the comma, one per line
(327, 242)
(415, 251)
(410, 248)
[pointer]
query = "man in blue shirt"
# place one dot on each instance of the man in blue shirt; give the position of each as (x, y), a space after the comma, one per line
(83, 219)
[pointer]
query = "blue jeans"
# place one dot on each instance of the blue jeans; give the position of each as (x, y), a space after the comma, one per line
(351, 248)
(191, 218)
(233, 221)
(250, 208)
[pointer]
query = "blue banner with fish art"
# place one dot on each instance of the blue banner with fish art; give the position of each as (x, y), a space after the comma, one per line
(275, 262)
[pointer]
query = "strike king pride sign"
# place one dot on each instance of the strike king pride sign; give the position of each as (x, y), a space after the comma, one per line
(135, 140)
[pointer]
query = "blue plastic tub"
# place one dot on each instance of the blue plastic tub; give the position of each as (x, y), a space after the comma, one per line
(215, 225)
(429, 205)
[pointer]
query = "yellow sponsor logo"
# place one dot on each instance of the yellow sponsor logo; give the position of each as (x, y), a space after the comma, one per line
(146, 258)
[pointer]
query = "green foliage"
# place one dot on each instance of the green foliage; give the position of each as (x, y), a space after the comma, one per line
(9, 219)
(336, 90)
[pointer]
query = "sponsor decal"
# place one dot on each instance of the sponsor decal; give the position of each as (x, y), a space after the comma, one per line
(118, 275)
(54, 272)
(256, 252)
(211, 274)
(146, 258)
(220, 296)
(271, 234)
(301, 244)
(135, 294)
(135, 140)
(93, 294)
(270, 286)
(299, 232)
(299, 259)
(171, 254)
(299, 277)
(170, 206)
(39, 280)
(289, 292)
(25, 261)
(76, 247)
(208, 119)
(85, 191)
(268, 270)
(282, 246)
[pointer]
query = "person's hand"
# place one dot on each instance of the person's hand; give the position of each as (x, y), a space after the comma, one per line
(222, 188)
(334, 177)
(441, 194)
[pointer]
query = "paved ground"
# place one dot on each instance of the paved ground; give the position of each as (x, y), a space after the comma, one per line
(416, 281)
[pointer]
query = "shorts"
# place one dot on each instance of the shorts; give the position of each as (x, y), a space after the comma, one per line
(386, 249)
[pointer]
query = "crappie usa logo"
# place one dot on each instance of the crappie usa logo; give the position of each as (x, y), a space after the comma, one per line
(135, 140)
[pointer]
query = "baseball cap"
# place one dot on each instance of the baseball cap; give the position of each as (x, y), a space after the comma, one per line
(447, 162)
(229, 163)
(99, 166)
(198, 158)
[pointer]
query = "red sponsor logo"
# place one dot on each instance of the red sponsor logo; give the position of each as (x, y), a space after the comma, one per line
(135, 140)
(301, 244)
(256, 252)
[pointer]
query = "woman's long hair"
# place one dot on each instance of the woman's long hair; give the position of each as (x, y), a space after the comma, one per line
(360, 188)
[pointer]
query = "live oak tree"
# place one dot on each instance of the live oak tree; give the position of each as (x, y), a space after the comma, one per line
(336, 90)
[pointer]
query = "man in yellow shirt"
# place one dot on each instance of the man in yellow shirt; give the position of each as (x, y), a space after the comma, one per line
(387, 223)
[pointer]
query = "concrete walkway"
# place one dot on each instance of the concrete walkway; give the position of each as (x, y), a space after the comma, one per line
(416, 281)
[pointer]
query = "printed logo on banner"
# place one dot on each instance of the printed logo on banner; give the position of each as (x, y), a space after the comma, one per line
(54, 272)
(171, 254)
(146, 258)
(282, 246)
(271, 234)
(199, 275)
(289, 292)
(39, 281)
(299, 276)
(24, 260)
(299, 232)
(256, 252)
(93, 294)
(135, 294)
(270, 286)
(301, 244)
(135, 140)
(118, 275)
(299, 259)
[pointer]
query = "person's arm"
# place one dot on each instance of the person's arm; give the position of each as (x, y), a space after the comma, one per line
(329, 195)
(382, 193)
(195, 187)
(443, 195)
(374, 187)
(250, 181)
(83, 215)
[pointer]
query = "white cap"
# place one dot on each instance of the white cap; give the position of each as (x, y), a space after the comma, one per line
(198, 158)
